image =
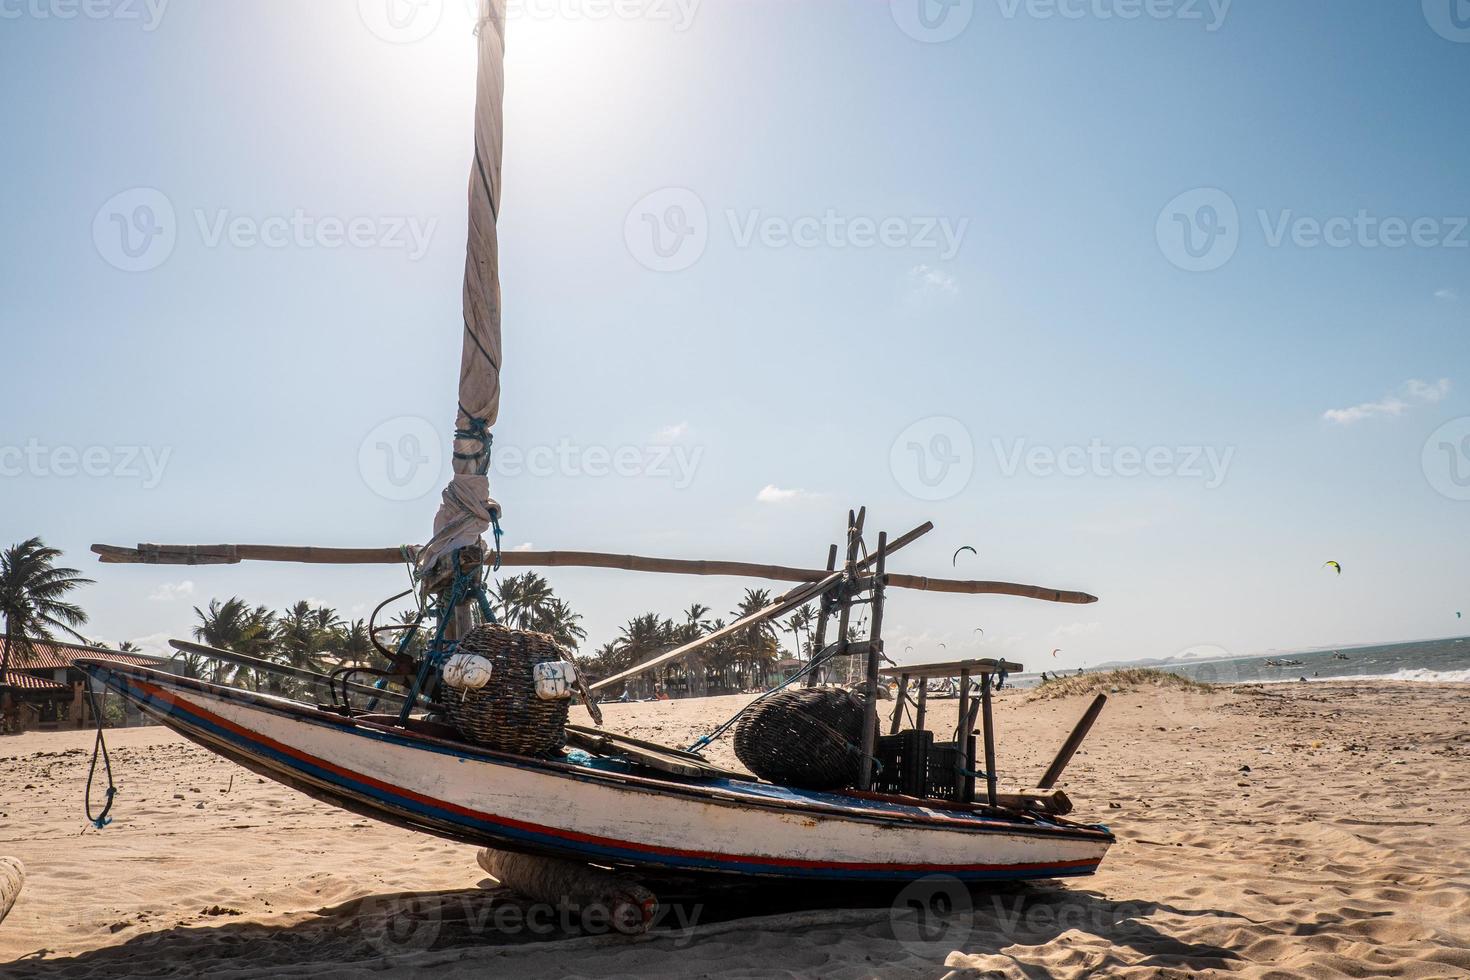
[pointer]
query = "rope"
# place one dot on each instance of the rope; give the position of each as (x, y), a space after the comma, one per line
(99, 747)
(722, 729)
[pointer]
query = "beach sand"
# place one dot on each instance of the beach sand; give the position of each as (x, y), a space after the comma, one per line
(1318, 830)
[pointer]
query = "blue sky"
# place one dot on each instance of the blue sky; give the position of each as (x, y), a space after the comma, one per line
(1168, 302)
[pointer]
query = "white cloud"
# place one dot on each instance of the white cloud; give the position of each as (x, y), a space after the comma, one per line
(672, 433)
(772, 494)
(1431, 393)
(926, 280)
(1392, 405)
(1367, 410)
(1447, 295)
(155, 644)
(169, 591)
(528, 546)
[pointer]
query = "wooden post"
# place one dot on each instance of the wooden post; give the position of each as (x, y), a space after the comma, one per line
(875, 655)
(854, 535)
(989, 734)
(964, 757)
(819, 640)
(1074, 742)
(900, 701)
(919, 708)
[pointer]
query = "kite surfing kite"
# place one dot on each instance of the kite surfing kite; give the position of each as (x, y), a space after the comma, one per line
(1056, 651)
(955, 559)
(1333, 565)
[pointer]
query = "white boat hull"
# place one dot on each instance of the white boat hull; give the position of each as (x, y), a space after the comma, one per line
(601, 812)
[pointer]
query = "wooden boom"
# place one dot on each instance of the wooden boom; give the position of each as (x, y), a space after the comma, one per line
(232, 554)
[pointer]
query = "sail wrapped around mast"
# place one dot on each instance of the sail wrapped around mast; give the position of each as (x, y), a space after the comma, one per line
(467, 511)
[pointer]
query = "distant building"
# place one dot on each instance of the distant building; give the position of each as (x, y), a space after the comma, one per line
(44, 688)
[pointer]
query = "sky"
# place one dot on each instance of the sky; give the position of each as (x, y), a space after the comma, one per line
(1163, 300)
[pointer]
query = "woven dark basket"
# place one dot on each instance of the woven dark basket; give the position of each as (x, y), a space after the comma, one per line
(506, 714)
(807, 738)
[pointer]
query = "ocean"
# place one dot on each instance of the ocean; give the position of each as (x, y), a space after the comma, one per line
(1428, 661)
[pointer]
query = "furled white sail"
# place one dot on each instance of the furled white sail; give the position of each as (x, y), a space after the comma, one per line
(465, 511)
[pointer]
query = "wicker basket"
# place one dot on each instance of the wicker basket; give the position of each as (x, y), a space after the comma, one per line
(806, 738)
(506, 714)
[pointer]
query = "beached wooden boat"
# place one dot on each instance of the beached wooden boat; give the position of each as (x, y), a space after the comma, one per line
(434, 764)
(599, 810)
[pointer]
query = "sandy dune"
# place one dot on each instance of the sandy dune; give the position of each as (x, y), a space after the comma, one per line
(1294, 830)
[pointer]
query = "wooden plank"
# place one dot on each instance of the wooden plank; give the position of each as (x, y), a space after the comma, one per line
(965, 756)
(954, 668)
(819, 639)
(230, 554)
(903, 693)
(1073, 743)
(875, 650)
(988, 733)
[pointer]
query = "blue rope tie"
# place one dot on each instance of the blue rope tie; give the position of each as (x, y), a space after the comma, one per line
(478, 430)
(99, 747)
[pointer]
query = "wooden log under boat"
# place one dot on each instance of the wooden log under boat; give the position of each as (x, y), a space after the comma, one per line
(12, 879)
(628, 906)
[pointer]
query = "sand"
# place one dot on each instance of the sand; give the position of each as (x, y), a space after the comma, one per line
(1317, 830)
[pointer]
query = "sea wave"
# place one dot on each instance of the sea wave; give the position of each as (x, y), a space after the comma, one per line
(1415, 675)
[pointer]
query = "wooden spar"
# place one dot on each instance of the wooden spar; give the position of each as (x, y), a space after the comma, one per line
(792, 600)
(988, 733)
(1073, 743)
(875, 652)
(819, 639)
(231, 554)
(255, 663)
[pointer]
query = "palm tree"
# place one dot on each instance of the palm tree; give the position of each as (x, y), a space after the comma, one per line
(802, 619)
(355, 646)
(757, 642)
(557, 619)
(33, 602)
(522, 599)
(232, 625)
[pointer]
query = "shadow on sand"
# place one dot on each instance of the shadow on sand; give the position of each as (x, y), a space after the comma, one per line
(930, 918)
